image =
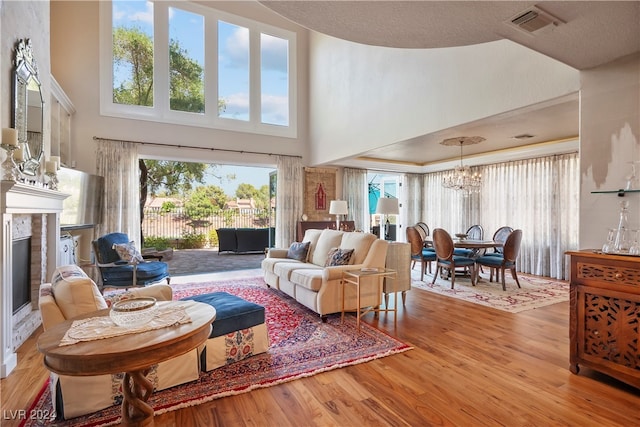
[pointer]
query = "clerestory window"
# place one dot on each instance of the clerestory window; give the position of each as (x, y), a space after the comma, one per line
(189, 64)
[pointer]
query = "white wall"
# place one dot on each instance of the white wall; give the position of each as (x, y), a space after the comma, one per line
(610, 139)
(365, 97)
(75, 65)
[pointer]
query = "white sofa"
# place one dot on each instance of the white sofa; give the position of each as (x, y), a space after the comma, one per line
(318, 287)
(72, 293)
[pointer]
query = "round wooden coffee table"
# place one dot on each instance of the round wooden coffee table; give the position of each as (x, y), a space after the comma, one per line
(133, 354)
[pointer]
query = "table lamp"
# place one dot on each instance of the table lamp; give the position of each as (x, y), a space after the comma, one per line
(337, 208)
(386, 206)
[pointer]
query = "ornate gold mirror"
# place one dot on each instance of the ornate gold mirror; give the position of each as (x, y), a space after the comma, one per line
(28, 108)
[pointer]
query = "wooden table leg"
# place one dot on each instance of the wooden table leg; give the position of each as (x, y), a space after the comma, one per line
(137, 389)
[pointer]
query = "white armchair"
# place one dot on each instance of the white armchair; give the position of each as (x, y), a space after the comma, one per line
(72, 293)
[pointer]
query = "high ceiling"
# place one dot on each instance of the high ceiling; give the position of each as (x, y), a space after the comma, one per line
(582, 35)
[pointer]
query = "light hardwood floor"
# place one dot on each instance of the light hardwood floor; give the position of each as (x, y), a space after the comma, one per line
(470, 366)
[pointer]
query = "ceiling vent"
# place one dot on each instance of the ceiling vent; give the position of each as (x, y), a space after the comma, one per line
(533, 20)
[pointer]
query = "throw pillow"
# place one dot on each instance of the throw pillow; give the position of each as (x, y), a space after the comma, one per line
(75, 293)
(128, 252)
(338, 256)
(298, 251)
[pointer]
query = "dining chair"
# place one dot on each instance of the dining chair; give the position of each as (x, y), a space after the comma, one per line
(423, 229)
(424, 232)
(511, 249)
(446, 259)
(475, 232)
(418, 252)
(500, 236)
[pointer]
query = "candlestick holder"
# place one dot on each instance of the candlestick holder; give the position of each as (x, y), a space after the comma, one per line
(9, 169)
(53, 180)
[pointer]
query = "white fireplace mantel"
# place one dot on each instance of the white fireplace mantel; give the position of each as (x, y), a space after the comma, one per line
(22, 198)
(18, 198)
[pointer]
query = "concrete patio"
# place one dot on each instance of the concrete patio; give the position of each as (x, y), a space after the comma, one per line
(201, 261)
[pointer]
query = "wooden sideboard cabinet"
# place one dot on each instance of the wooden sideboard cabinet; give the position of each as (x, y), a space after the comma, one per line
(306, 225)
(604, 322)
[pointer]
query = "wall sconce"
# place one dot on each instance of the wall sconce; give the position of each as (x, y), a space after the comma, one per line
(337, 208)
(386, 206)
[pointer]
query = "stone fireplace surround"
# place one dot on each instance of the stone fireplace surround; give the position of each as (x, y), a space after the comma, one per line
(27, 210)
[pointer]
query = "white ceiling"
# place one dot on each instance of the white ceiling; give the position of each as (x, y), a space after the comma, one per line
(589, 34)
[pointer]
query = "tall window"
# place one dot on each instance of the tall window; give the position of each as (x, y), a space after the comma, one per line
(184, 63)
(132, 53)
(233, 71)
(274, 71)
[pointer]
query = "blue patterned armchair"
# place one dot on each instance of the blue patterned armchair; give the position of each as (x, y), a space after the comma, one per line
(122, 266)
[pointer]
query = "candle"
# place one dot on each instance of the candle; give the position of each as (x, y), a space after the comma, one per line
(50, 166)
(18, 155)
(10, 136)
(57, 160)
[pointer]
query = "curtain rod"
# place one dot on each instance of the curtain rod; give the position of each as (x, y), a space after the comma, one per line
(225, 150)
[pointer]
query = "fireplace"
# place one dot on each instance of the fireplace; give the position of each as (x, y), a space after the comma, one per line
(21, 268)
(33, 213)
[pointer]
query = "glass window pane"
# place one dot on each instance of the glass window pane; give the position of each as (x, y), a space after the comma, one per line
(186, 61)
(233, 71)
(274, 74)
(132, 23)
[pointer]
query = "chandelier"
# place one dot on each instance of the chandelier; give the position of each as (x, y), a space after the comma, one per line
(462, 178)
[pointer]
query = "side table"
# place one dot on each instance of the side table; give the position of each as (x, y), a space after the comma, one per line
(354, 277)
(132, 354)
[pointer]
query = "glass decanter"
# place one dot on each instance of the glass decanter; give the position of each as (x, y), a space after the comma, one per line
(608, 246)
(621, 242)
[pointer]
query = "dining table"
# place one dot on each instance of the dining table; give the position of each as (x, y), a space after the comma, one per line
(477, 246)
(470, 244)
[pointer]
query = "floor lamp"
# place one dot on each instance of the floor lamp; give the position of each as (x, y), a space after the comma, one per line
(386, 206)
(337, 208)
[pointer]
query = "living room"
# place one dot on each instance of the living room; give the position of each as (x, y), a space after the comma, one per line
(66, 37)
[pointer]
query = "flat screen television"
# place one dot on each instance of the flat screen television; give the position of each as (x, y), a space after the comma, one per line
(83, 207)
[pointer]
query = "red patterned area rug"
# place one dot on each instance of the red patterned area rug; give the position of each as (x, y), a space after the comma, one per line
(535, 291)
(300, 346)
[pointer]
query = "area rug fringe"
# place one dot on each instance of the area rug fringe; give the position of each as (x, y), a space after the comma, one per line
(313, 356)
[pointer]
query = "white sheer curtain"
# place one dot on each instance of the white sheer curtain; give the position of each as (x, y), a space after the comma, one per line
(117, 162)
(355, 191)
(539, 196)
(412, 199)
(289, 199)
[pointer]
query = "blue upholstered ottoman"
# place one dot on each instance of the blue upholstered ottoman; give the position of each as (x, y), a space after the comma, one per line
(239, 330)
